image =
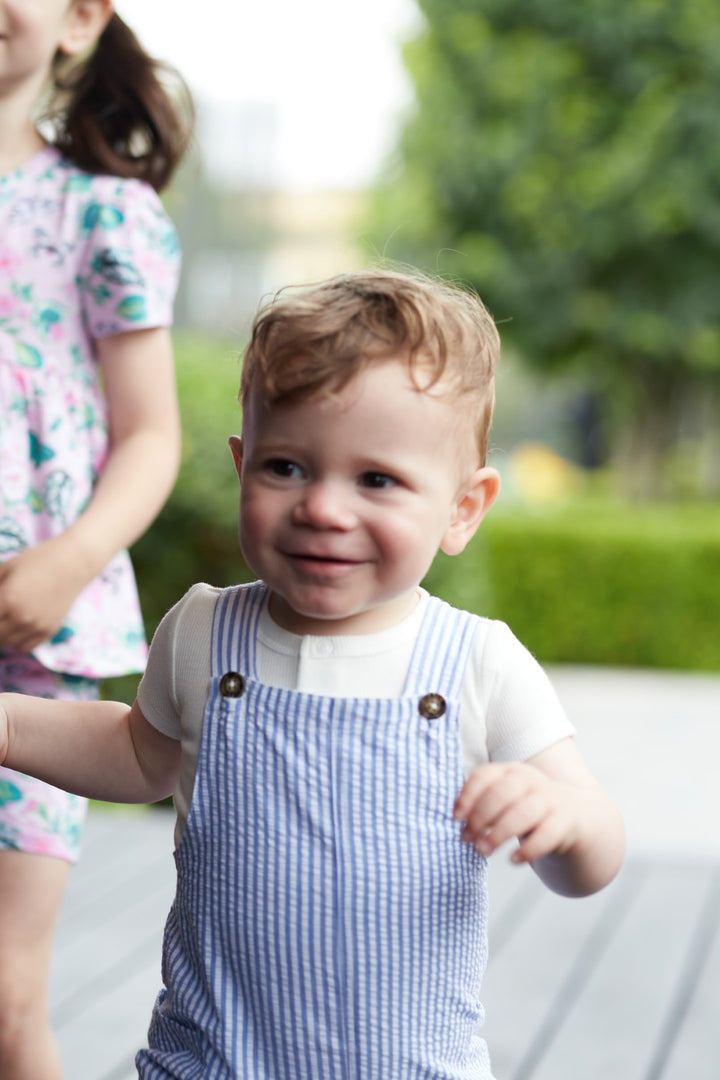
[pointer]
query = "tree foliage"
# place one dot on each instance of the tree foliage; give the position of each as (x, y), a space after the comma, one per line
(563, 158)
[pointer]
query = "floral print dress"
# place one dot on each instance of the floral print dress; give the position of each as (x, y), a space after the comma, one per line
(81, 257)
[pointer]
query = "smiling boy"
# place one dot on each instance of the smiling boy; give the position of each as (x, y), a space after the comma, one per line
(344, 749)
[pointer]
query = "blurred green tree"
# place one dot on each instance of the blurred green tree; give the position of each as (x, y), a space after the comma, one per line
(563, 158)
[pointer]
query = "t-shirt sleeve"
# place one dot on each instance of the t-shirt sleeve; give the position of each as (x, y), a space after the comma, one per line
(173, 689)
(132, 259)
(516, 706)
(157, 693)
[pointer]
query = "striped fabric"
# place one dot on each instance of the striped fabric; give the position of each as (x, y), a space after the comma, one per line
(328, 923)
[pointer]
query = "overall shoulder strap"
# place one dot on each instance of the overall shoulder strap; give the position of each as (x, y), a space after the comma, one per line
(442, 649)
(234, 634)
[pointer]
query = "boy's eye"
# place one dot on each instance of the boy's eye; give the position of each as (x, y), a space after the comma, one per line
(377, 480)
(283, 467)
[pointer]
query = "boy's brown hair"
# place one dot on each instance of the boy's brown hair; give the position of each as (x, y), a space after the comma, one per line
(320, 337)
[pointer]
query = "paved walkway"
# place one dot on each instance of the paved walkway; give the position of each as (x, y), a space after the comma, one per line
(623, 985)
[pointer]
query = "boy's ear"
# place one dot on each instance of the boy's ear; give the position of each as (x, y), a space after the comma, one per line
(84, 23)
(236, 447)
(474, 504)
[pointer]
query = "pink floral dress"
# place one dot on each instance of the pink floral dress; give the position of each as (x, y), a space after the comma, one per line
(81, 257)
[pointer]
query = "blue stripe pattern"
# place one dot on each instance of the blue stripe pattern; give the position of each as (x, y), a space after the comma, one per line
(328, 924)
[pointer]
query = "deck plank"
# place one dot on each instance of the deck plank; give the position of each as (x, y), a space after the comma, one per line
(532, 968)
(693, 1049)
(106, 968)
(615, 1022)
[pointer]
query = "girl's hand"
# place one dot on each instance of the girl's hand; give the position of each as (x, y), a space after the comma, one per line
(37, 588)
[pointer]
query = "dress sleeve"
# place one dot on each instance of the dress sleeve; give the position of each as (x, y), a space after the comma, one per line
(132, 259)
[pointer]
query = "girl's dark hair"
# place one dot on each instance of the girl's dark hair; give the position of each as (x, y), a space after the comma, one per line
(113, 114)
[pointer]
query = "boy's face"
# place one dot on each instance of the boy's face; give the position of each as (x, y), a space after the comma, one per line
(346, 498)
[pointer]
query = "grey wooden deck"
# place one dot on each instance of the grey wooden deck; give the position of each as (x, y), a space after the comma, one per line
(106, 969)
(622, 985)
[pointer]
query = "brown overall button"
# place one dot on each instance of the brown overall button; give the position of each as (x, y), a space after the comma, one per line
(432, 706)
(232, 684)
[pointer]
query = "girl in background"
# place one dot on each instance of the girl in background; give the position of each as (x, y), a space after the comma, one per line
(89, 431)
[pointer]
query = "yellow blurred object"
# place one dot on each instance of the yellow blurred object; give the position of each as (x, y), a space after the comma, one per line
(538, 475)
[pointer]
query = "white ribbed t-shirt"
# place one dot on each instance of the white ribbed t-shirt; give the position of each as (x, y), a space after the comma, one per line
(508, 708)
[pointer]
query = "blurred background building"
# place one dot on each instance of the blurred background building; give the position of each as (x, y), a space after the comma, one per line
(243, 234)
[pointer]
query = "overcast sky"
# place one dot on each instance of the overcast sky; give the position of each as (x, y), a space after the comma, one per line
(330, 70)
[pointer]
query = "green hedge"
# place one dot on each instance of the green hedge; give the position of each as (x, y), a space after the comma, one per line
(607, 584)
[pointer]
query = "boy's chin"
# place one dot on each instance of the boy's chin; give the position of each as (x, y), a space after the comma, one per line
(332, 617)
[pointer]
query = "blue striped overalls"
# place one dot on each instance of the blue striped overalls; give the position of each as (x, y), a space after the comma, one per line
(329, 924)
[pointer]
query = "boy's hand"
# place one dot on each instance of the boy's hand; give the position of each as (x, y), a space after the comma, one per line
(501, 801)
(567, 825)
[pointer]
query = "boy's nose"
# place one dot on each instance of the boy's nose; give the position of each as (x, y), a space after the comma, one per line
(324, 505)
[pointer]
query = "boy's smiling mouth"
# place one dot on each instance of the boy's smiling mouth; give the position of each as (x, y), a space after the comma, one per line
(312, 561)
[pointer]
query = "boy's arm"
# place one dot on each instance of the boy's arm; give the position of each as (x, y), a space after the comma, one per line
(103, 749)
(567, 826)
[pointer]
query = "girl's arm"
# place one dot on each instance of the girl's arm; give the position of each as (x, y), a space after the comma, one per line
(38, 586)
(103, 749)
(567, 826)
(139, 381)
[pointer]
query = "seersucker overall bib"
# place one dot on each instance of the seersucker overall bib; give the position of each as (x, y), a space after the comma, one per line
(329, 923)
